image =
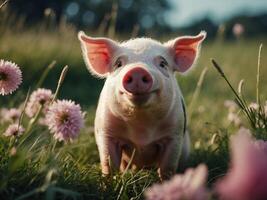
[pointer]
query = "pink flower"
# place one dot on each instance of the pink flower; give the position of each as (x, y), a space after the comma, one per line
(190, 186)
(39, 97)
(231, 105)
(234, 118)
(14, 130)
(254, 106)
(10, 77)
(238, 30)
(261, 145)
(247, 177)
(11, 115)
(64, 119)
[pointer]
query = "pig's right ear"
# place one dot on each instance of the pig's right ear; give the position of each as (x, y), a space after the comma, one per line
(97, 54)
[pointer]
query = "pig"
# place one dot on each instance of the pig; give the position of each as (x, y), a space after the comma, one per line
(141, 118)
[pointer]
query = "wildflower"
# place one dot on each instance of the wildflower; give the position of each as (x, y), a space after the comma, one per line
(231, 105)
(14, 130)
(254, 106)
(10, 77)
(39, 97)
(234, 118)
(261, 145)
(238, 30)
(11, 115)
(42, 121)
(190, 186)
(64, 119)
(247, 178)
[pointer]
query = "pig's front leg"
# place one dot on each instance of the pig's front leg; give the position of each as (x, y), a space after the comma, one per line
(169, 157)
(109, 150)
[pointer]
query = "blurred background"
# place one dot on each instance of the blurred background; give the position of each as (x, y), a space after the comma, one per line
(153, 17)
(33, 33)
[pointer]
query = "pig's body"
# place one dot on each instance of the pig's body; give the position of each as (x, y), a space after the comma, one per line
(141, 107)
(150, 131)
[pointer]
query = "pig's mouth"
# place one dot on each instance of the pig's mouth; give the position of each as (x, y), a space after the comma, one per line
(138, 99)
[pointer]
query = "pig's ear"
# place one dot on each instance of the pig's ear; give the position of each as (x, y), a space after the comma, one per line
(97, 54)
(185, 50)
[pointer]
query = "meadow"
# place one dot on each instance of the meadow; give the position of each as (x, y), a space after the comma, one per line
(42, 168)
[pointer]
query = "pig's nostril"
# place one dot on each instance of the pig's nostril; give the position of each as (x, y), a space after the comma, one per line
(129, 79)
(145, 79)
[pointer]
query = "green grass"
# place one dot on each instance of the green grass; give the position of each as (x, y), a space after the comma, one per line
(72, 171)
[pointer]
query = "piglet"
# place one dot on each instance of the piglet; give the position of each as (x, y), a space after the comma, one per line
(141, 117)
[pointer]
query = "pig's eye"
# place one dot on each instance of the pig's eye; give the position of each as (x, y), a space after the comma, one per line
(118, 63)
(163, 63)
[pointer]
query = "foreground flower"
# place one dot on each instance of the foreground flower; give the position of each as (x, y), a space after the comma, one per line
(189, 186)
(64, 119)
(10, 77)
(247, 178)
(39, 97)
(262, 146)
(11, 115)
(14, 130)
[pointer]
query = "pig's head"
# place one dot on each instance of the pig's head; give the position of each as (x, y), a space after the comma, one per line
(140, 72)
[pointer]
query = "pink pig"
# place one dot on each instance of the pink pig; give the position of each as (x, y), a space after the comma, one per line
(141, 108)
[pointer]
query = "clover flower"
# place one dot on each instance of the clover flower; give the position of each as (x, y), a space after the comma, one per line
(39, 97)
(10, 115)
(190, 186)
(247, 177)
(64, 119)
(14, 130)
(10, 77)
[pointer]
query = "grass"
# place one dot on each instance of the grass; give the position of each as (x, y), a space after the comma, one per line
(43, 169)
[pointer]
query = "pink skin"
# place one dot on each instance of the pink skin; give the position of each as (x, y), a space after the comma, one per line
(140, 106)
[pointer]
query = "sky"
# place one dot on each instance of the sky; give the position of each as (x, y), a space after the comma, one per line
(185, 12)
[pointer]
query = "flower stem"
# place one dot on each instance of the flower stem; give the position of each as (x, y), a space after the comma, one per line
(60, 81)
(258, 75)
(24, 106)
(33, 120)
(45, 73)
(239, 100)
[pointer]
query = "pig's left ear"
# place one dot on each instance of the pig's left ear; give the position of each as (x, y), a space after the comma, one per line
(97, 54)
(185, 50)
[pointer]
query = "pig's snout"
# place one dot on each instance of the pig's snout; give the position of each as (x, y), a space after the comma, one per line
(137, 81)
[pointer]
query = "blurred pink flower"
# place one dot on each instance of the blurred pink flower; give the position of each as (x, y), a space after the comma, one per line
(231, 105)
(14, 130)
(11, 115)
(238, 30)
(10, 77)
(254, 106)
(64, 119)
(247, 177)
(234, 118)
(262, 146)
(39, 97)
(190, 186)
